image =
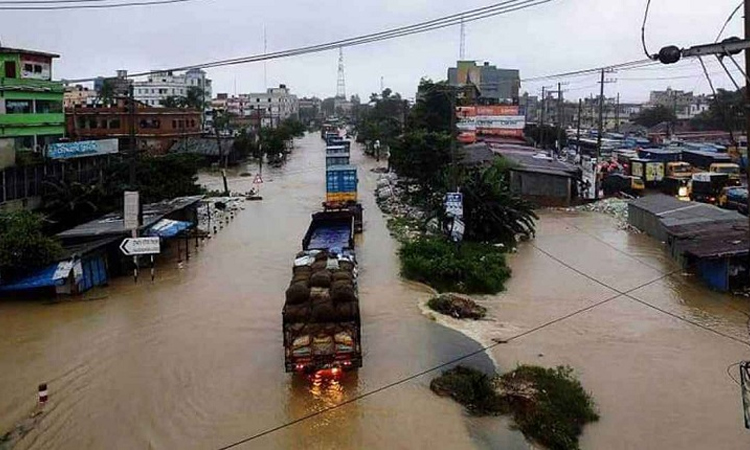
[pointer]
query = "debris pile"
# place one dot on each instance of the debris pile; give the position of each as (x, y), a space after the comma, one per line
(615, 207)
(457, 306)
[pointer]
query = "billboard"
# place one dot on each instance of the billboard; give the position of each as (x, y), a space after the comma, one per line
(68, 150)
(498, 120)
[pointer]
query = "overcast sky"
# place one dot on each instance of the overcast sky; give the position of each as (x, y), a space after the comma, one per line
(556, 37)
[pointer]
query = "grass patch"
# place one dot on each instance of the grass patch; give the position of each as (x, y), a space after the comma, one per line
(548, 405)
(471, 268)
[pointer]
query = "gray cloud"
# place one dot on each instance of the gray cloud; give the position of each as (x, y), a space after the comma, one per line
(556, 37)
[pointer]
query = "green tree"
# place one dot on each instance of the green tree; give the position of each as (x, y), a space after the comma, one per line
(106, 95)
(171, 102)
(654, 116)
(433, 110)
(491, 212)
(424, 157)
(726, 112)
(548, 133)
(69, 202)
(23, 244)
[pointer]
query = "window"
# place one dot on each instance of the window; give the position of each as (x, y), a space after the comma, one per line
(28, 68)
(114, 124)
(18, 106)
(153, 91)
(37, 68)
(93, 124)
(174, 124)
(48, 106)
(10, 69)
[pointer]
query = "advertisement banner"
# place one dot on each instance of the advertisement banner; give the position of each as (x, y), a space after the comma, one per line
(498, 120)
(67, 150)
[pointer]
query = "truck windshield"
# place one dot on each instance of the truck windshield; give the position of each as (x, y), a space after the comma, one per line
(731, 170)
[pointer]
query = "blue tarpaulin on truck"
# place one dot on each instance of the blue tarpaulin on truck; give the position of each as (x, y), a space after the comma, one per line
(167, 228)
(334, 237)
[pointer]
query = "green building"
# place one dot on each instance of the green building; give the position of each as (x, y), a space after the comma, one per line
(31, 104)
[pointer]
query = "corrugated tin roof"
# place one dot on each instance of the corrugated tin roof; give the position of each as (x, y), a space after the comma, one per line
(6, 50)
(477, 154)
(658, 204)
(717, 240)
(113, 224)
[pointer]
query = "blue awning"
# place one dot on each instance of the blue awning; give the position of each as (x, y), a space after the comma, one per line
(54, 275)
(167, 228)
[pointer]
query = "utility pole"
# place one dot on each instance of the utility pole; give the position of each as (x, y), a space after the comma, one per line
(559, 117)
(541, 121)
(747, 93)
(617, 114)
(578, 134)
(601, 120)
(133, 149)
(453, 138)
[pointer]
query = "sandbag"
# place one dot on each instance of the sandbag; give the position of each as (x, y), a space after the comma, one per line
(341, 275)
(321, 279)
(324, 312)
(307, 270)
(317, 266)
(347, 311)
(297, 294)
(346, 265)
(322, 256)
(320, 295)
(296, 313)
(342, 292)
(301, 278)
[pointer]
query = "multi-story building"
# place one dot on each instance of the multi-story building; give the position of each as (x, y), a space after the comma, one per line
(161, 85)
(685, 105)
(310, 109)
(31, 104)
(496, 86)
(79, 95)
(156, 128)
(270, 107)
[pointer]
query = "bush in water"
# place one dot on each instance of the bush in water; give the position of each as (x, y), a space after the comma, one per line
(470, 268)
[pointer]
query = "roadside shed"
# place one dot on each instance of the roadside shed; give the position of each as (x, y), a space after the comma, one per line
(655, 214)
(718, 253)
(543, 181)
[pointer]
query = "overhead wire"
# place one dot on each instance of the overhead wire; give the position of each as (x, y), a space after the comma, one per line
(435, 368)
(729, 19)
(493, 10)
(643, 31)
(97, 6)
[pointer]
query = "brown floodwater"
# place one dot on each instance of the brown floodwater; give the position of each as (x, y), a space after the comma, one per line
(194, 361)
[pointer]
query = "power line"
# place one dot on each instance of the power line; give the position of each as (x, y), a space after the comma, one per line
(435, 368)
(114, 5)
(48, 2)
(729, 19)
(494, 10)
(643, 31)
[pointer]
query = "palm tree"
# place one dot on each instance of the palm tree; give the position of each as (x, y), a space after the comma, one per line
(492, 213)
(106, 95)
(171, 102)
(70, 202)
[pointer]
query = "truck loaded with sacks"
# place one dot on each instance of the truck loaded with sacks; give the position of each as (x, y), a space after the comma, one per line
(321, 319)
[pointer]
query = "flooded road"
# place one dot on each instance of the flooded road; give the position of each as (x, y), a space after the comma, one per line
(195, 360)
(659, 381)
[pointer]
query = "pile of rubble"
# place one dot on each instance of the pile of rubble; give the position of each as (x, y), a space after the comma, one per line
(390, 197)
(615, 207)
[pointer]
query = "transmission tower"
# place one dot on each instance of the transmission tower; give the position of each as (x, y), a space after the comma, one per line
(341, 84)
(462, 51)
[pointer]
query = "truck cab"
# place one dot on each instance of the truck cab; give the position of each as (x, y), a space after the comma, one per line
(680, 170)
(730, 169)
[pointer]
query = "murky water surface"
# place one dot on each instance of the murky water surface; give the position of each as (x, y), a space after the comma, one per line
(195, 361)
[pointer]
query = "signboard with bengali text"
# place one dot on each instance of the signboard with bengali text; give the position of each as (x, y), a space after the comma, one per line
(80, 149)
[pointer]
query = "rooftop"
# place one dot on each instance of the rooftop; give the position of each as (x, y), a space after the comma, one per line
(8, 50)
(717, 240)
(113, 224)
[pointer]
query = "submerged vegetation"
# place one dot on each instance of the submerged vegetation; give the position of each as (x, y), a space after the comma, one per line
(469, 268)
(549, 406)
